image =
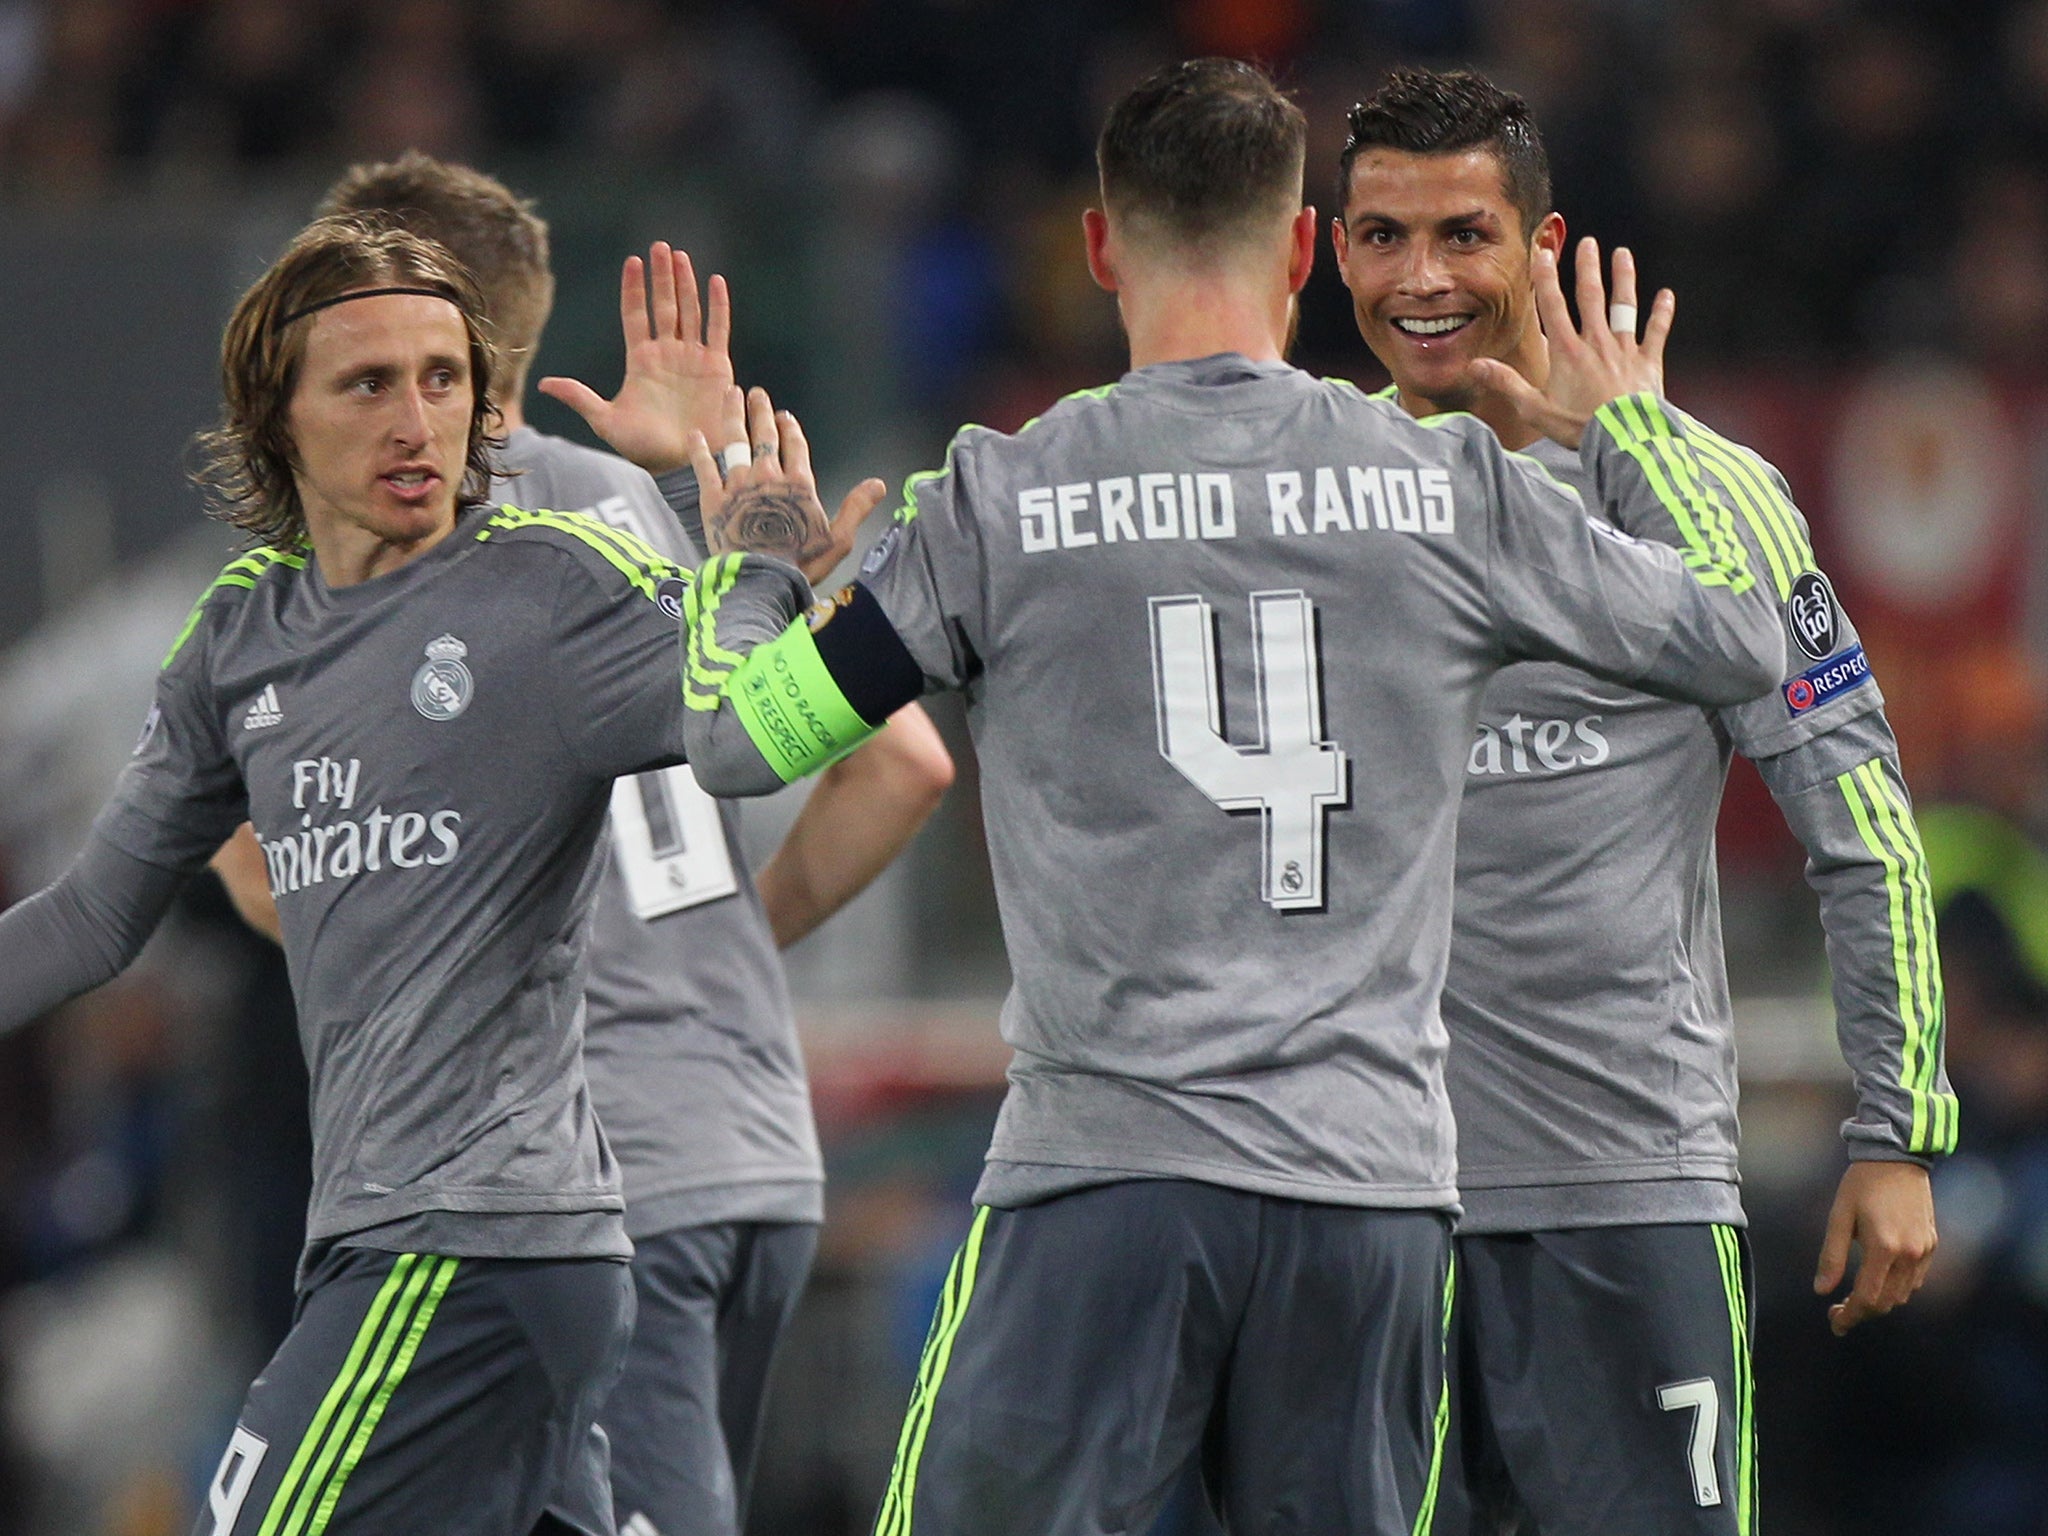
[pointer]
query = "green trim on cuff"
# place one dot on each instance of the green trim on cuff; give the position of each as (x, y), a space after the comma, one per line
(792, 708)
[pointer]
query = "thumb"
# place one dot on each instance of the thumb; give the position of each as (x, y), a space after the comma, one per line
(1497, 378)
(1834, 1247)
(854, 510)
(580, 398)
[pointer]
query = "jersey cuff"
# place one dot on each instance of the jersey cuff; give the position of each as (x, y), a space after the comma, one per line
(824, 684)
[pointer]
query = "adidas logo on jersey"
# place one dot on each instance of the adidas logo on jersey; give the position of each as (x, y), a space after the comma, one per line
(264, 710)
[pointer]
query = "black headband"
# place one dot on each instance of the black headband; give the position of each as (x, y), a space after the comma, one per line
(361, 293)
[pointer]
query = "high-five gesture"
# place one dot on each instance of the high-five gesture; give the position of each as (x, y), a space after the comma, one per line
(678, 366)
(1598, 360)
(770, 506)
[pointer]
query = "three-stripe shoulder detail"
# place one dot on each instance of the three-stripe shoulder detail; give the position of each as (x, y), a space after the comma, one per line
(632, 557)
(243, 572)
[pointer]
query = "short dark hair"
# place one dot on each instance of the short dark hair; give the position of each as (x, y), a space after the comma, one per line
(1202, 150)
(1443, 111)
(490, 228)
(247, 463)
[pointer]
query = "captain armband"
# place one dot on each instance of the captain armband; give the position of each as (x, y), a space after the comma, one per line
(823, 685)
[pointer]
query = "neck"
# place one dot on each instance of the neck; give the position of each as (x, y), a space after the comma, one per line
(1173, 316)
(349, 554)
(511, 414)
(1531, 359)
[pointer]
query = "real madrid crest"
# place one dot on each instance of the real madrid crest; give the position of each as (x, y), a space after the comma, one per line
(441, 688)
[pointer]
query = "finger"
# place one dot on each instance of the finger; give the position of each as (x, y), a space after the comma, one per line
(710, 484)
(732, 416)
(1495, 377)
(580, 398)
(633, 301)
(1623, 262)
(718, 328)
(1844, 1315)
(661, 271)
(796, 448)
(859, 502)
(1556, 319)
(1873, 1281)
(689, 312)
(1591, 290)
(1834, 1247)
(1662, 309)
(761, 430)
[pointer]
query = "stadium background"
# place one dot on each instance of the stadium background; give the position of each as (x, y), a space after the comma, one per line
(1851, 199)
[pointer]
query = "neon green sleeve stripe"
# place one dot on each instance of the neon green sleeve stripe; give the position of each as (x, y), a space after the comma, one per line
(1767, 536)
(634, 560)
(1768, 495)
(706, 664)
(1639, 427)
(1897, 820)
(244, 571)
(1888, 833)
(791, 707)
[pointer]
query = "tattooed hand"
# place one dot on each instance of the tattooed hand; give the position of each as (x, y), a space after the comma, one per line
(771, 506)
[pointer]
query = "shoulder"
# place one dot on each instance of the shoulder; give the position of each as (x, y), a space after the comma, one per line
(1763, 503)
(231, 588)
(612, 557)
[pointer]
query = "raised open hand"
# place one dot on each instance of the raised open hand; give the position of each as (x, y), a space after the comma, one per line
(1598, 360)
(770, 506)
(678, 366)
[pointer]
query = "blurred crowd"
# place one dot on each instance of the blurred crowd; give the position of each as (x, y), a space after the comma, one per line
(1850, 196)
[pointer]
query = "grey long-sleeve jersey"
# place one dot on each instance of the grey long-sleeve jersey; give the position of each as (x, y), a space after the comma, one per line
(427, 758)
(1592, 1062)
(688, 1037)
(1223, 630)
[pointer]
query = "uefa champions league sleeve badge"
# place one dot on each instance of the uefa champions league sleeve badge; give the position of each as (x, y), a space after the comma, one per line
(441, 689)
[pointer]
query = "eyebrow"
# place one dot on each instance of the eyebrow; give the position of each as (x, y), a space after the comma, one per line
(1472, 216)
(385, 369)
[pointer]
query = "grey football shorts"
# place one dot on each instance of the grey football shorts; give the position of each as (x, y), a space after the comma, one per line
(685, 1418)
(1601, 1385)
(1089, 1348)
(418, 1392)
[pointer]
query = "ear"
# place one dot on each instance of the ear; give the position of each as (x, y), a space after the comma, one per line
(1340, 241)
(1549, 236)
(1301, 254)
(1095, 232)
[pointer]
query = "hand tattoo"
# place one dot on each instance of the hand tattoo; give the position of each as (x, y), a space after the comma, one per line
(769, 520)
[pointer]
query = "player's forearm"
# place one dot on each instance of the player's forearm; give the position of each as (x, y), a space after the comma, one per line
(864, 811)
(79, 931)
(1842, 795)
(1726, 641)
(774, 692)
(243, 871)
(678, 488)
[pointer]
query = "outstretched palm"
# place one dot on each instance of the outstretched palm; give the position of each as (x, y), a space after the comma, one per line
(678, 366)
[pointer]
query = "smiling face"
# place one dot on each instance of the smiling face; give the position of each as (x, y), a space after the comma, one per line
(1437, 262)
(380, 422)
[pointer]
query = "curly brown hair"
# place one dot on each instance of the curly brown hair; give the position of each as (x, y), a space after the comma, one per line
(492, 230)
(247, 462)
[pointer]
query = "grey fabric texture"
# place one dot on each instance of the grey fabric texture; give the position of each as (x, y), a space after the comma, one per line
(1227, 959)
(82, 929)
(1091, 1347)
(1567, 1346)
(487, 1421)
(427, 758)
(685, 1419)
(689, 1039)
(1593, 1064)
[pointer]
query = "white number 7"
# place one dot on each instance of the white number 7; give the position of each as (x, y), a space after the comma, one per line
(1704, 1400)
(1291, 776)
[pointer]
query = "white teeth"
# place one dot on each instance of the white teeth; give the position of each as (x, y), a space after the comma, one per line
(1441, 327)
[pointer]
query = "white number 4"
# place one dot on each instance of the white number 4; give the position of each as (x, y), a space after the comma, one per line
(1704, 1400)
(1290, 775)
